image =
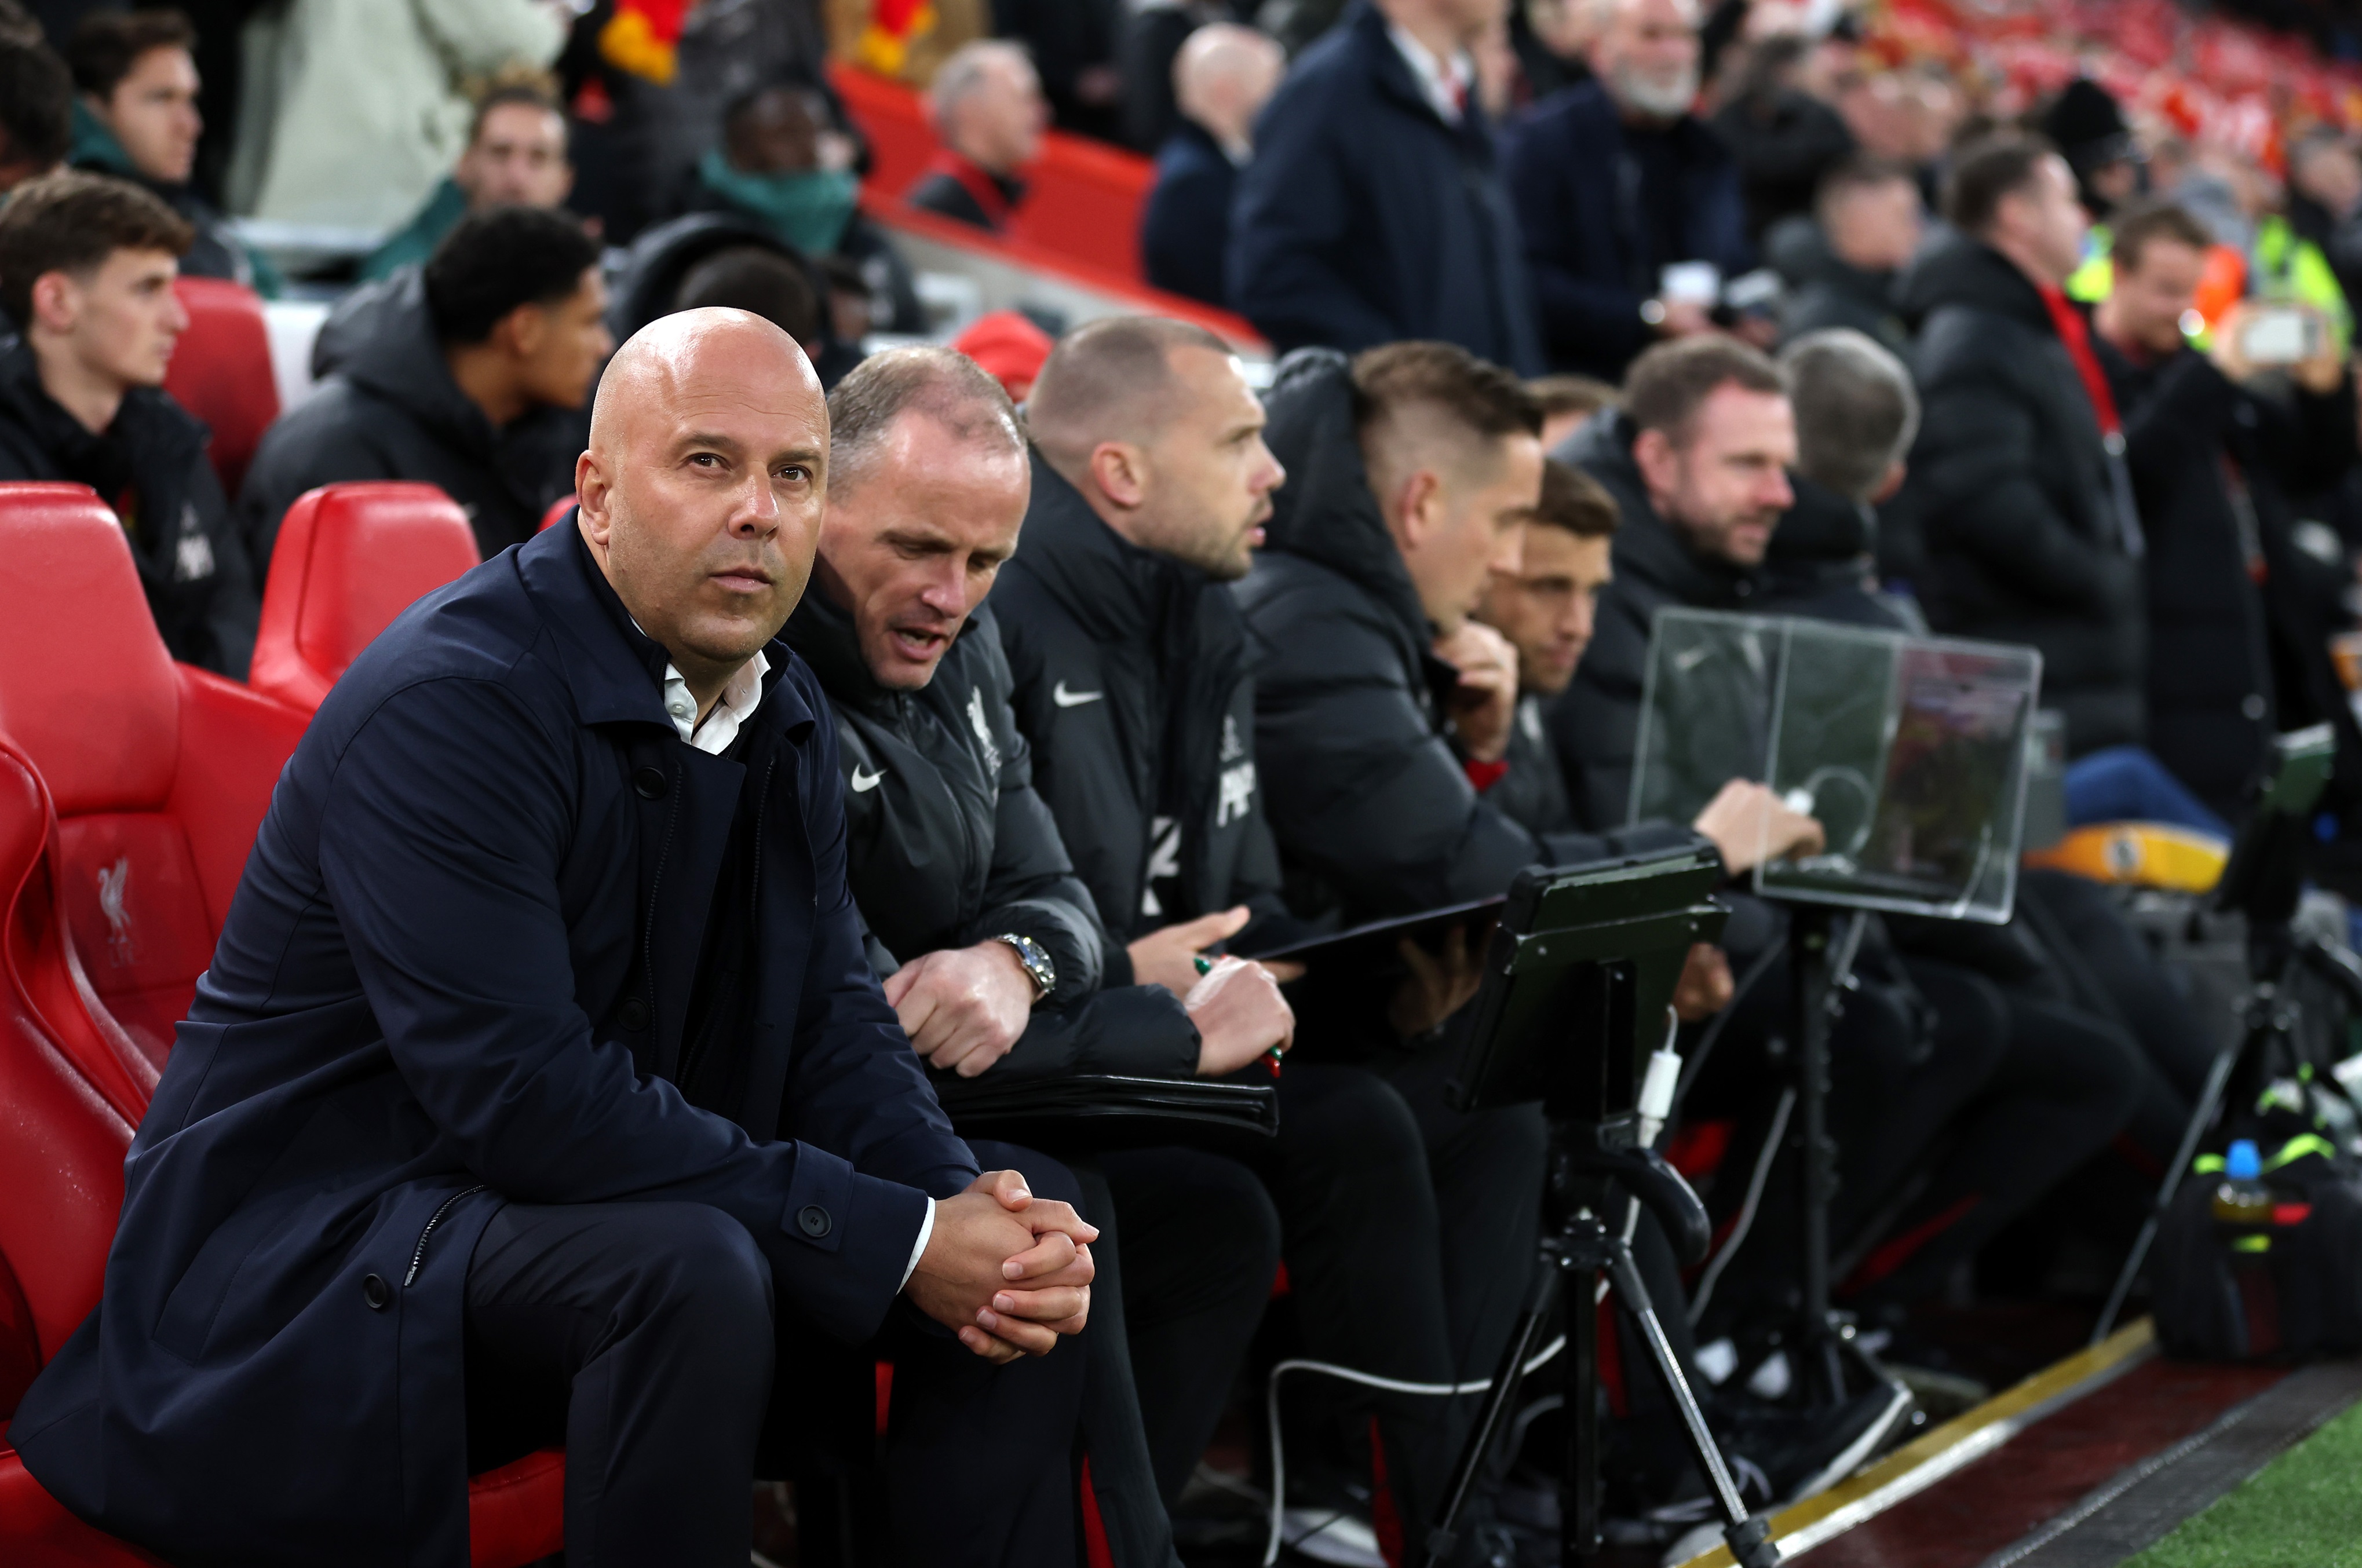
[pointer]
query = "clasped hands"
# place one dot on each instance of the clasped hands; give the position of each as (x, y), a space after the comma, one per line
(1007, 1272)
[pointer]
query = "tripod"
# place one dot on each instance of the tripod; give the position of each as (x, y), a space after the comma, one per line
(1588, 1161)
(1821, 958)
(2264, 881)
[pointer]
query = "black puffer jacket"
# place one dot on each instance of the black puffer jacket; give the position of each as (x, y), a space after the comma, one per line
(1595, 722)
(393, 412)
(1371, 805)
(946, 845)
(1132, 684)
(2020, 511)
(2213, 465)
(150, 466)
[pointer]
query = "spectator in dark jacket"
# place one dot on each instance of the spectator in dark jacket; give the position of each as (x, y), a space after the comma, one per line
(471, 379)
(787, 162)
(1373, 210)
(35, 110)
(1614, 182)
(1221, 79)
(1841, 264)
(547, 944)
(1785, 140)
(990, 949)
(987, 107)
(2017, 488)
(137, 117)
(1856, 414)
(86, 267)
(2215, 456)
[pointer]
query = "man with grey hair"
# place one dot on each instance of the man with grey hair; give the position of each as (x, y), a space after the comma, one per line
(1629, 204)
(992, 951)
(987, 107)
(1856, 412)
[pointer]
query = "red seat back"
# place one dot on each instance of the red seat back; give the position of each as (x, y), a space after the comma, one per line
(61, 1141)
(349, 558)
(221, 370)
(159, 773)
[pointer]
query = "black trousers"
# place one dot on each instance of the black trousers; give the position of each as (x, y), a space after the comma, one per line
(1411, 1231)
(1198, 1244)
(647, 1338)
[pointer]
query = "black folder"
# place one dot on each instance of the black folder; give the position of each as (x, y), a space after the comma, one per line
(1105, 1110)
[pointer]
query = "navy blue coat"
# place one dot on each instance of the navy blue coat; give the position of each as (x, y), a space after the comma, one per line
(1184, 231)
(1365, 218)
(453, 975)
(1602, 211)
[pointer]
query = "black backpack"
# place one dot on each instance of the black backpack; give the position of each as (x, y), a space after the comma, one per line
(2286, 1291)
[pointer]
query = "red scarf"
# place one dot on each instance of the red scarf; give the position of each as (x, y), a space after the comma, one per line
(2075, 332)
(979, 183)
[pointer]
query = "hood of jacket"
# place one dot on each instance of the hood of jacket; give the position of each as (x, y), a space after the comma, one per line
(662, 256)
(391, 349)
(1959, 270)
(1325, 512)
(1648, 550)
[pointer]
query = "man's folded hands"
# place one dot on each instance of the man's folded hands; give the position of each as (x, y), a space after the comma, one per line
(1007, 1272)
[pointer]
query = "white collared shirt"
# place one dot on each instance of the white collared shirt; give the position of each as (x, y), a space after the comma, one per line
(736, 705)
(1447, 83)
(731, 709)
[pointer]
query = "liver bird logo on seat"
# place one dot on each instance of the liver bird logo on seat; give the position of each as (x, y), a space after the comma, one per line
(112, 882)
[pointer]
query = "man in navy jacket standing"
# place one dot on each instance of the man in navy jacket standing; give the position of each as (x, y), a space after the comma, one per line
(1373, 210)
(539, 1086)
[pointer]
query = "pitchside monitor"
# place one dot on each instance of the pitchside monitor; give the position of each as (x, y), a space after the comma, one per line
(1912, 752)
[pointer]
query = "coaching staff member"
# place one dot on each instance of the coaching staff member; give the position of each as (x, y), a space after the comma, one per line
(539, 1057)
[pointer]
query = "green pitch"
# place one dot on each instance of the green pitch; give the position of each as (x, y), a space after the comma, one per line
(2303, 1511)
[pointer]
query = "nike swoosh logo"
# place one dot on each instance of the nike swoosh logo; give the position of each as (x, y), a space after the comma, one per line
(864, 782)
(1065, 699)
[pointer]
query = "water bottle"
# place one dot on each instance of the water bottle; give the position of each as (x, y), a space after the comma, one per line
(2243, 1200)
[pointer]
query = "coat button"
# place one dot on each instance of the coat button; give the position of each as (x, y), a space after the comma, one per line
(812, 1219)
(633, 1015)
(375, 1292)
(648, 783)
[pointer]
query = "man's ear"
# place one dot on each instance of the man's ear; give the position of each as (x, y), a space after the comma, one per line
(1416, 510)
(1895, 472)
(57, 301)
(523, 331)
(1659, 464)
(1119, 469)
(595, 493)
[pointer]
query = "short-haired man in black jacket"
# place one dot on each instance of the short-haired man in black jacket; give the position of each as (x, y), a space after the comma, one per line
(991, 951)
(86, 268)
(1406, 1230)
(2026, 531)
(468, 375)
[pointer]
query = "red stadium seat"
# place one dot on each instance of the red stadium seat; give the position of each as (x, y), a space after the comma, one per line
(63, 1132)
(558, 509)
(350, 557)
(161, 772)
(221, 370)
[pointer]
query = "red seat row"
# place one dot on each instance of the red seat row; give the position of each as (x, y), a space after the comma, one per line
(130, 790)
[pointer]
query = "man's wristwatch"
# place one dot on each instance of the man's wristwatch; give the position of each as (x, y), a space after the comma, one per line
(1035, 962)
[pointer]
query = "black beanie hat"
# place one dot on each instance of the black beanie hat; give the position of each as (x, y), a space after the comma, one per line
(2085, 124)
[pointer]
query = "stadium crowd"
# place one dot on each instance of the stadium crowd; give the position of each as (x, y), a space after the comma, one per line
(977, 734)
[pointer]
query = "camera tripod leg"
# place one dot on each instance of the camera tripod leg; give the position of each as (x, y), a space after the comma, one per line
(2218, 1080)
(1749, 1538)
(1443, 1536)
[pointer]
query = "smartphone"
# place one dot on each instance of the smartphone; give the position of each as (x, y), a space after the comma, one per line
(2280, 334)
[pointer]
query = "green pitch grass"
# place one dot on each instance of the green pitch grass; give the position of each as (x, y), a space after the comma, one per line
(2303, 1511)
